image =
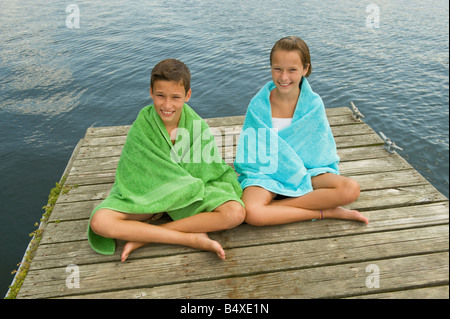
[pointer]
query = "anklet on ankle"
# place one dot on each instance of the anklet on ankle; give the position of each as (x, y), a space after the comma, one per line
(320, 218)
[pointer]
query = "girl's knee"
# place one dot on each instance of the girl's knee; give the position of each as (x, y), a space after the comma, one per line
(350, 191)
(253, 215)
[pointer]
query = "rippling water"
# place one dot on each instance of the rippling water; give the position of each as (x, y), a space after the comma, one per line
(55, 82)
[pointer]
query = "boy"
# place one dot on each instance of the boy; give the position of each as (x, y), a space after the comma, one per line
(201, 196)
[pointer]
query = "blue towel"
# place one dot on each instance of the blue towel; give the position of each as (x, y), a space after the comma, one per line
(284, 161)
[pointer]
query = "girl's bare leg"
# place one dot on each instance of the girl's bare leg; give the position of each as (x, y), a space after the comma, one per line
(330, 191)
(263, 210)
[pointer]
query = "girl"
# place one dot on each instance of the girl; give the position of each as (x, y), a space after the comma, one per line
(289, 119)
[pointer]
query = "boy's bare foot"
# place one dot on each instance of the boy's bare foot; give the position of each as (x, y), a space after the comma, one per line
(198, 240)
(203, 242)
(344, 213)
(129, 247)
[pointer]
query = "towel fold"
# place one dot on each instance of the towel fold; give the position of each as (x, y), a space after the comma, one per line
(284, 161)
(153, 175)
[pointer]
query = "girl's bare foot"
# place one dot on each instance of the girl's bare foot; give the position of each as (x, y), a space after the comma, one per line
(344, 213)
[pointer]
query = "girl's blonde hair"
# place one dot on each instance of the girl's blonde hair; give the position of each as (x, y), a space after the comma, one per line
(293, 43)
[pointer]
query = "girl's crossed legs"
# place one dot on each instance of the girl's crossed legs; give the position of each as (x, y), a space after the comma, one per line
(330, 192)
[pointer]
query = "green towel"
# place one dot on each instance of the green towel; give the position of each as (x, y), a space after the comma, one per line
(153, 175)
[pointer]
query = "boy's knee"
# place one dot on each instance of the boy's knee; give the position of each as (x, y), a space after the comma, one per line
(99, 223)
(235, 214)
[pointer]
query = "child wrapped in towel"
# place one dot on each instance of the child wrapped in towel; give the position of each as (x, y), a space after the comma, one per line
(286, 148)
(169, 163)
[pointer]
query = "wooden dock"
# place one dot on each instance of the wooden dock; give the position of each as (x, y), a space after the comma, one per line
(402, 253)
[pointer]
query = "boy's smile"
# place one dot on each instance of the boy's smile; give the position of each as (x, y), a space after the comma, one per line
(168, 99)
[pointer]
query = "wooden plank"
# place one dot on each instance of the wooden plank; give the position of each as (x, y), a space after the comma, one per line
(389, 163)
(104, 141)
(439, 292)
(394, 179)
(85, 193)
(341, 281)
(342, 130)
(105, 177)
(397, 197)
(63, 242)
(73, 211)
(106, 131)
(361, 153)
(100, 151)
(282, 257)
(227, 120)
(338, 113)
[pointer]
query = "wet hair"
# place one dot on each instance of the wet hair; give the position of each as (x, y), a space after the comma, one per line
(293, 43)
(171, 70)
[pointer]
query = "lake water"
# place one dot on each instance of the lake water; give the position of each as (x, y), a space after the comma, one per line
(57, 81)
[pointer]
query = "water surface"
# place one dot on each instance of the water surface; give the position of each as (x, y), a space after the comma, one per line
(55, 82)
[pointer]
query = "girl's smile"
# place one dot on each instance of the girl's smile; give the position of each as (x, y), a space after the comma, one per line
(287, 71)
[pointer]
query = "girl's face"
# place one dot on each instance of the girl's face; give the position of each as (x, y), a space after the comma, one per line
(168, 99)
(287, 70)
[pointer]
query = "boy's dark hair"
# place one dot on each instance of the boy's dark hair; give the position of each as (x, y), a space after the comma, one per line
(171, 70)
(293, 43)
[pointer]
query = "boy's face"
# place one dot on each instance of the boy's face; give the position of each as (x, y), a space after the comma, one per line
(168, 100)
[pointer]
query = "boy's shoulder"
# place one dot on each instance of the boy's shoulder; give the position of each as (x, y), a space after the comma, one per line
(146, 109)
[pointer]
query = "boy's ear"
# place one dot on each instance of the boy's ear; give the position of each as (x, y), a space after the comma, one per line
(188, 95)
(151, 92)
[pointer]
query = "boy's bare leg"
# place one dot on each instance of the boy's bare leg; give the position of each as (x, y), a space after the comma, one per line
(112, 224)
(226, 216)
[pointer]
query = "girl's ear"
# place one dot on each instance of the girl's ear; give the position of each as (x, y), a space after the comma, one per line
(305, 70)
